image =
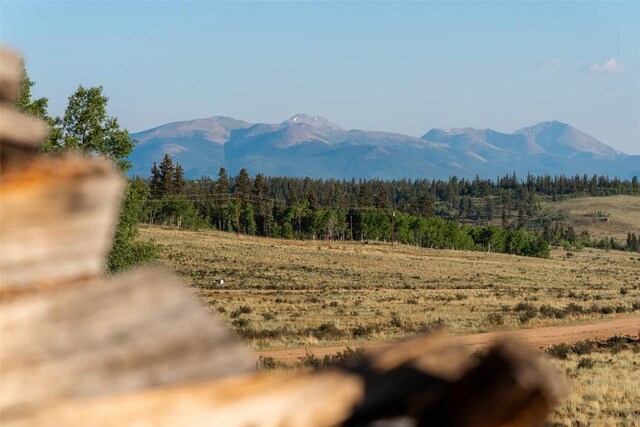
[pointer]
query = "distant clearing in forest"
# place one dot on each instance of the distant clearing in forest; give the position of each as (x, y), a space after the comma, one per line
(612, 216)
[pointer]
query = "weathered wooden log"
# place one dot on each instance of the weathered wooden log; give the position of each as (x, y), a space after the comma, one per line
(421, 377)
(20, 137)
(57, 222)
(510, 387)
(256, 400)
(135, 332)
(10, 75)
(509, 377)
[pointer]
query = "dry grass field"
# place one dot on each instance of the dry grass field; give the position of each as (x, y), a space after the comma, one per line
(283, 293)
(603, 389)
(622, 215)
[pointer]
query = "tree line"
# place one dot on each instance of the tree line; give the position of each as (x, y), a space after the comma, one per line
(252, 206)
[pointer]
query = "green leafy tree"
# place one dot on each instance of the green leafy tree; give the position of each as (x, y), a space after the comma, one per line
(25, 103)
(86, 127)
(38, 108)
(126, 251)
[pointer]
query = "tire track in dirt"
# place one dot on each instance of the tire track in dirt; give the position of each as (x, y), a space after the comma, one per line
(537, 338)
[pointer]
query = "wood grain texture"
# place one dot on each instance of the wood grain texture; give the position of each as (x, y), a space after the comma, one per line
(255, 400)
(20, 136)
(139, 331)
(10, 75)
(57, 222)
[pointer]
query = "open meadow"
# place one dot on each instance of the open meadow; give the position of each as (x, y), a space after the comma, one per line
(286, 293)
(612, 216)
(304, 294)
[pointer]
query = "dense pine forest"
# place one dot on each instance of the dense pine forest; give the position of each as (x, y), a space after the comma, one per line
(503, 215)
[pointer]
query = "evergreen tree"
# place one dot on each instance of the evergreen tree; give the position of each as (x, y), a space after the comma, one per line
(167, 172)
(489, 209)
(427, 206)
(365, 198)
(263, 204)
(222, 200)
(155, 184)
(381, 199)
(243, 186)
(179, 183)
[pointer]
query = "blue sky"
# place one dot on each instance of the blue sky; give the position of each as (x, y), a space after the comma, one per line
(403, 67)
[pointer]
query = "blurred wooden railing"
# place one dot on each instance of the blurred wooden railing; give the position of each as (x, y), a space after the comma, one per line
(77, 348)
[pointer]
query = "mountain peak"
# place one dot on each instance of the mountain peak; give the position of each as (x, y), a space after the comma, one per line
(563, 139)
(313, 121)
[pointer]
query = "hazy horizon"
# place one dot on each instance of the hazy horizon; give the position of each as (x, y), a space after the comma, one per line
(401, 67)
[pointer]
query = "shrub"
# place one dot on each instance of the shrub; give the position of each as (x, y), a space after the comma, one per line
(243, 309)
(266, 363)
(586, 363)
(552, 312)
(559, 351)
(526, 316)
(584, 347)
(395, 320)
(362, 331)
(268, 315)
(573, 308)
(312, 361)
(431, 326)
(240, 323)
(326, 331)
(495, 319)
(523, 306)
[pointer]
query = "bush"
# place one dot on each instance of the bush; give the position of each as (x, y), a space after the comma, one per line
(524, 306)
(240, 323)
(126, 251)
(495, 319)
(586, 363)
(312, 361)
(361, 331)
(584, 347)
(559, 351)
(326, 331)
(266, 363)
(573, 308)
(431, 326)
(552, 312)
(395, 320)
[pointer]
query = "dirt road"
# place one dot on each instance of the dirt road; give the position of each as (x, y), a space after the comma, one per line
(539, 337)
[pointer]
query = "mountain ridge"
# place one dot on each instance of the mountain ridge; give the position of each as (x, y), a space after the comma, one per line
(313, 146)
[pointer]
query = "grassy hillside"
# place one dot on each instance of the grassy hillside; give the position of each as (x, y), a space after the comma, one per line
(279, 293)
(612, 216)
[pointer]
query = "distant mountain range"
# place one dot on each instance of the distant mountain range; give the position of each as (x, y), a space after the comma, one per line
(313, 146)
